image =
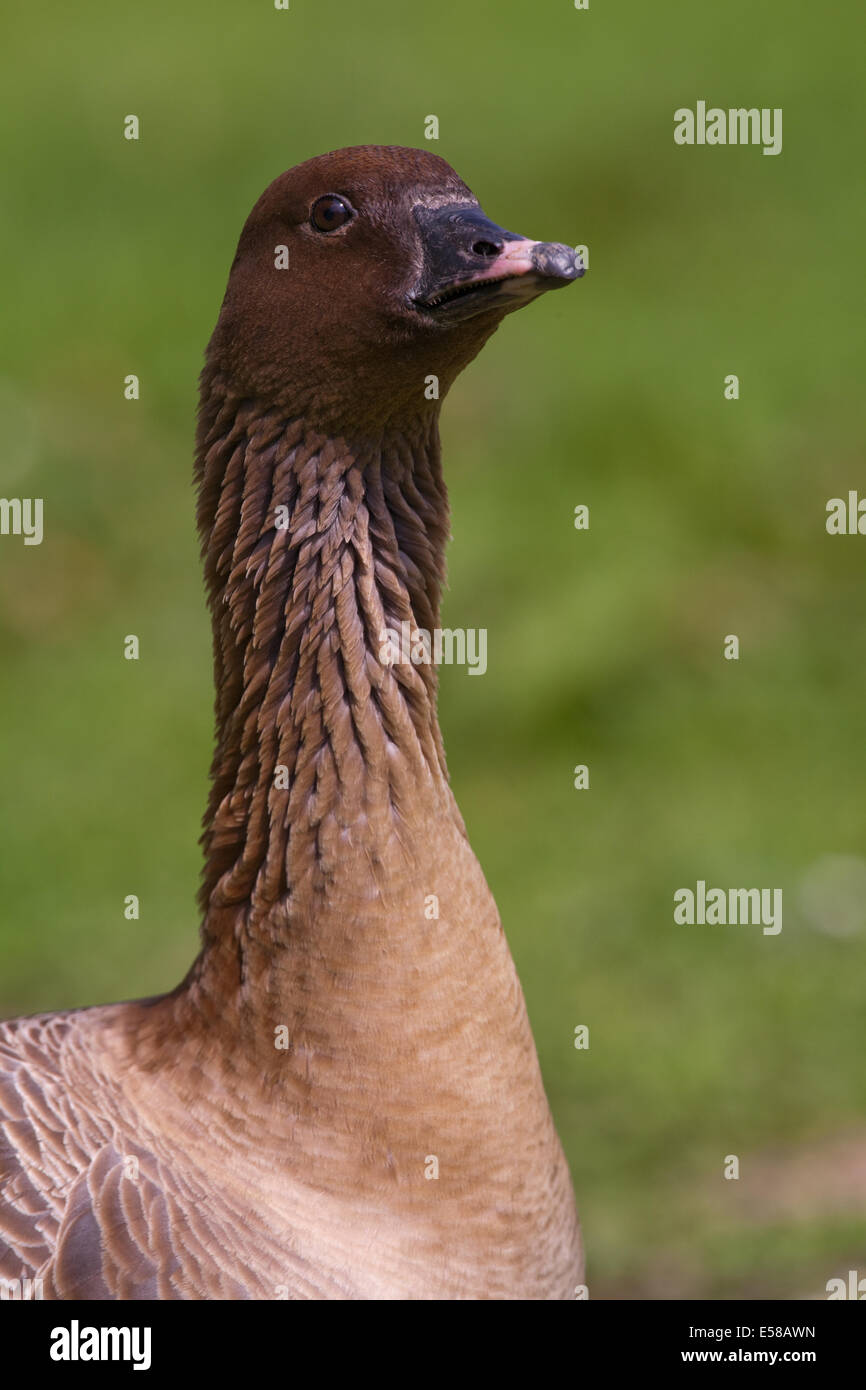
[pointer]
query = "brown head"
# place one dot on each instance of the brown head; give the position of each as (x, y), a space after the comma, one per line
(361, 273)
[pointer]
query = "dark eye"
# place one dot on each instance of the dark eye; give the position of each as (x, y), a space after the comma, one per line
(330, 212)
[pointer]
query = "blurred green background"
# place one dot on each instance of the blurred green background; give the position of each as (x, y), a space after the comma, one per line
(605, 646)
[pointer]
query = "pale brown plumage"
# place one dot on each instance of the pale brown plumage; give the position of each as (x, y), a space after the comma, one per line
(174, 1148)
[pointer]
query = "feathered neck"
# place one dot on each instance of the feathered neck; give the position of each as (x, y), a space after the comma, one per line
(313, 547)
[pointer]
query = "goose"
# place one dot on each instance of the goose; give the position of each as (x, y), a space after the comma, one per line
(342, 1099)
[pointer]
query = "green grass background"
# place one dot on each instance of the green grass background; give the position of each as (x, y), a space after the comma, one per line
(707, 518)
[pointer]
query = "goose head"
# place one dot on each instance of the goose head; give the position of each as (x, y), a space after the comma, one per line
(362, 273)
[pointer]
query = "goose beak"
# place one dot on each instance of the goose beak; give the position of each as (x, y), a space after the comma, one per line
(473, 266)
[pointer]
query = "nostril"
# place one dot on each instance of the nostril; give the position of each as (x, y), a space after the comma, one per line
(486, 248)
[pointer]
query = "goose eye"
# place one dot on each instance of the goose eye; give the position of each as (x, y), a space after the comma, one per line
(330, 212)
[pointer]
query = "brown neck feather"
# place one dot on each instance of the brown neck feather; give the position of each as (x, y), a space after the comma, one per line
(313, 546)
